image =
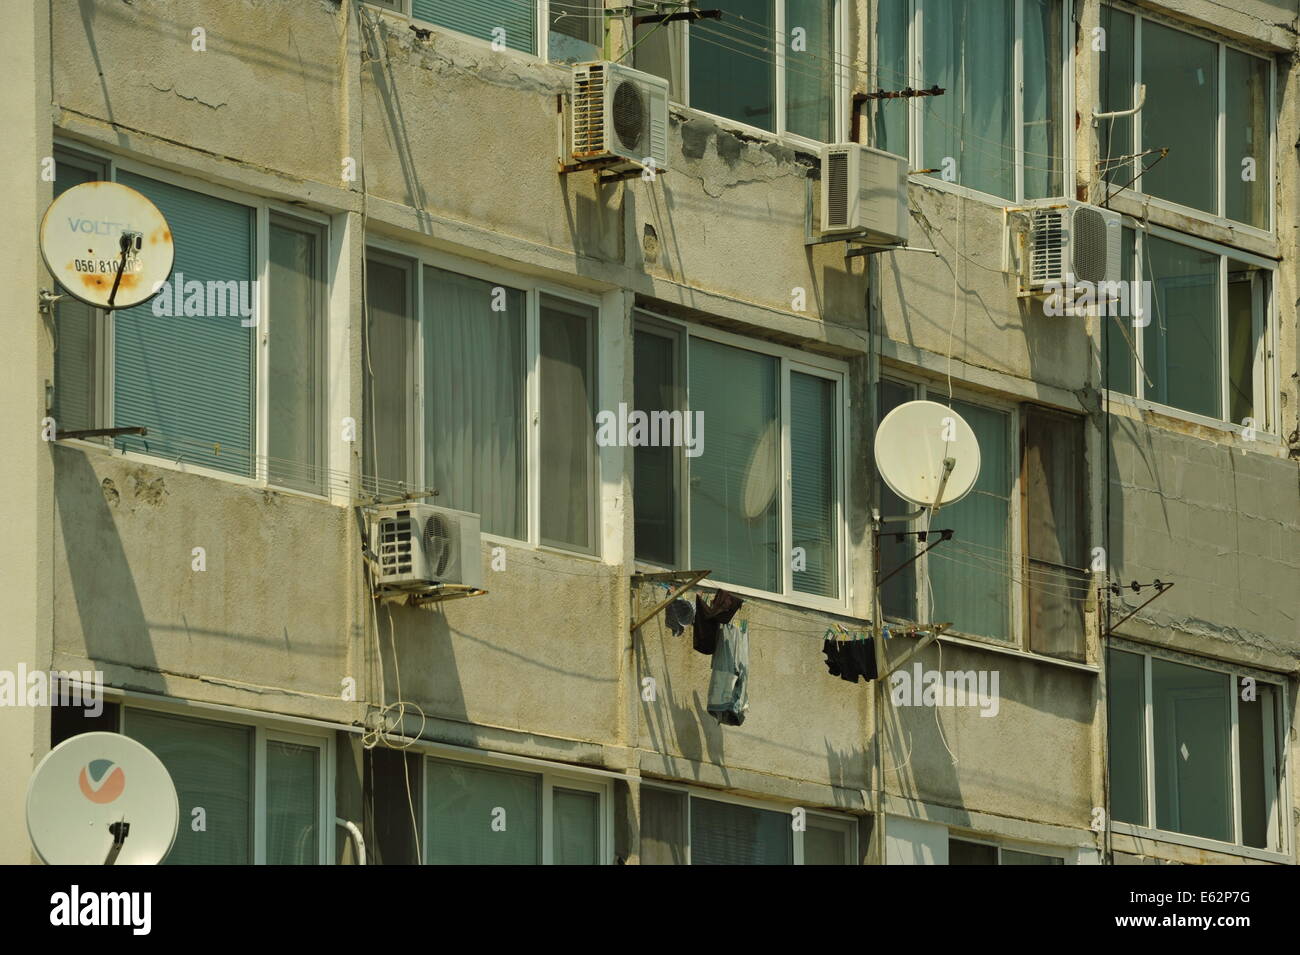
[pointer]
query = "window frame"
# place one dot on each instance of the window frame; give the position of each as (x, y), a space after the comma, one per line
(264, 209)
(848, 821)
(1218, 217)
(1265, 330)
(1047, 852)
(1281, 810)
(264, 730)
(552, 776)
(396, 252)
(914, 132)
(789, 360)
(541, 24)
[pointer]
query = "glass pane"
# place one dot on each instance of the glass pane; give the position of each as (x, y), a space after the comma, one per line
(577, 30)
(969, 574)
(1012, 857)
(390, 336)
(1126, 726)
(1257, 732)
(663, 827)
(75, 357)
(297, 328)
(1247, 301)
(1121, 330)
(1117, 92)
(898, 593)
(733, 62)
(475, 447)
(211, 765)
(1181, 351)
(1248, 159)
(577, 827)
(292, 804)
(810, 68)
(971, 853)
(654, 481)
(825, 844)
(511, 22)
(568, 435)
(1182, 114)
(1193, 734)
(658, 50)
(735, 481)
(893, 18)
(727, 834)
(967, 50)
(1043, 94)
(477, 815)
(1054, 495)
(814, 460)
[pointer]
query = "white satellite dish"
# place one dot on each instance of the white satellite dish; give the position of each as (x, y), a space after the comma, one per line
(101, 798)
(927, 454)
(107, 245)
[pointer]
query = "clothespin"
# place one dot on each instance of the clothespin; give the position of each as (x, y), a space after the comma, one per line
(884, 629)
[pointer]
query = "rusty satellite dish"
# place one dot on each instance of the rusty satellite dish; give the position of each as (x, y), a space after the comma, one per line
(107, 245)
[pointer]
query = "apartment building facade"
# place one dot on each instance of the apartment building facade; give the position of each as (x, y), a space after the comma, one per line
(435, 304)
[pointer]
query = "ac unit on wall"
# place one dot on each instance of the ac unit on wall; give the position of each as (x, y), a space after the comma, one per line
(619, 113)
(864, 191)
(1072, 242)
(417, 546)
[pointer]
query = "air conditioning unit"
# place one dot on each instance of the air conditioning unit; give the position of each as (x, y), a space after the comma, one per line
(1072, 242)
(619, 113)
(417, 546)
(864, 192)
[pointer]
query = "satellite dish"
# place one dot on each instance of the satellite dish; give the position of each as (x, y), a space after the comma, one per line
(101, 798)
(761, 478)
(914, 444)
(107, 245)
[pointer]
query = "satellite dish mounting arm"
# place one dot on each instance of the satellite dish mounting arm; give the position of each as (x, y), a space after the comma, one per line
(120, 830)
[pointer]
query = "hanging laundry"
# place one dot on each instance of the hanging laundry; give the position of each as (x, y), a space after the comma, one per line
(679, 615)
(709, 617)
(729, 680)
(850, 659)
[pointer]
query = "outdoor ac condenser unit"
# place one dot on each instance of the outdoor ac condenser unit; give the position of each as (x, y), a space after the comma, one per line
(619, 113)
(1072, 242)
(864, 192)
(417, 546)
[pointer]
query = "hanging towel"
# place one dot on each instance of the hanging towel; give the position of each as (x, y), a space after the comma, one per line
(729, 681)
(709, 617)
(851, 659)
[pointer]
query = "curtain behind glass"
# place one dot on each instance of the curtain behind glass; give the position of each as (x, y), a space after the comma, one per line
(1116, 92)
(296, 328)
(735, 499)
(654, 479)
(1126, 726)
(733, 62)
(75, 361)
(292, 804)
(967, 50)
(810, 71)
(475, 447)
(577, 30)
(893, 22)
(390, 326)
(1193, 736)
(814, 487)
(663, 827)
(659, 51)
(726, 834)
(1246, 294)
(464, 802)
(211, 765)
(824, 844)
(567, 434)
(1181, 345)
(969, 574)
(576, 824)
(1182, 113)
(1120, 332)
(1044, 76)
(1248, 127)
(898, 593)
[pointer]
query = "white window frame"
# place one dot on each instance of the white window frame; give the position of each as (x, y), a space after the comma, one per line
(849, 823)
(264, 730)
(110, 165)
(789, 360)
(1050, 852)
(552, 775)
(925, 389)
(1218, 217)
(533, 289)
(1266, 371)
(916, 107)
(541, 19)
(1281, 721)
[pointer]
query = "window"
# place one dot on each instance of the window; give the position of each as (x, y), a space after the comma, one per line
(991, 574)
(752, 416)
(1205, 346)
(979, 133)
(1195, 750)
(488, 814)
(1196, 88)
(449, 396)
(186, 364)
(774, 65)
(967, 852)
(680, 828)
(571, 31)
(248, 794)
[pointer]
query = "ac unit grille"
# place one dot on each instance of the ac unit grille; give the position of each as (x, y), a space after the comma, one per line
(439, 545)
(396, 545)
(589, 112)
(629, 114)
(837, 185)
(1048, 241)
(1089, 245)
